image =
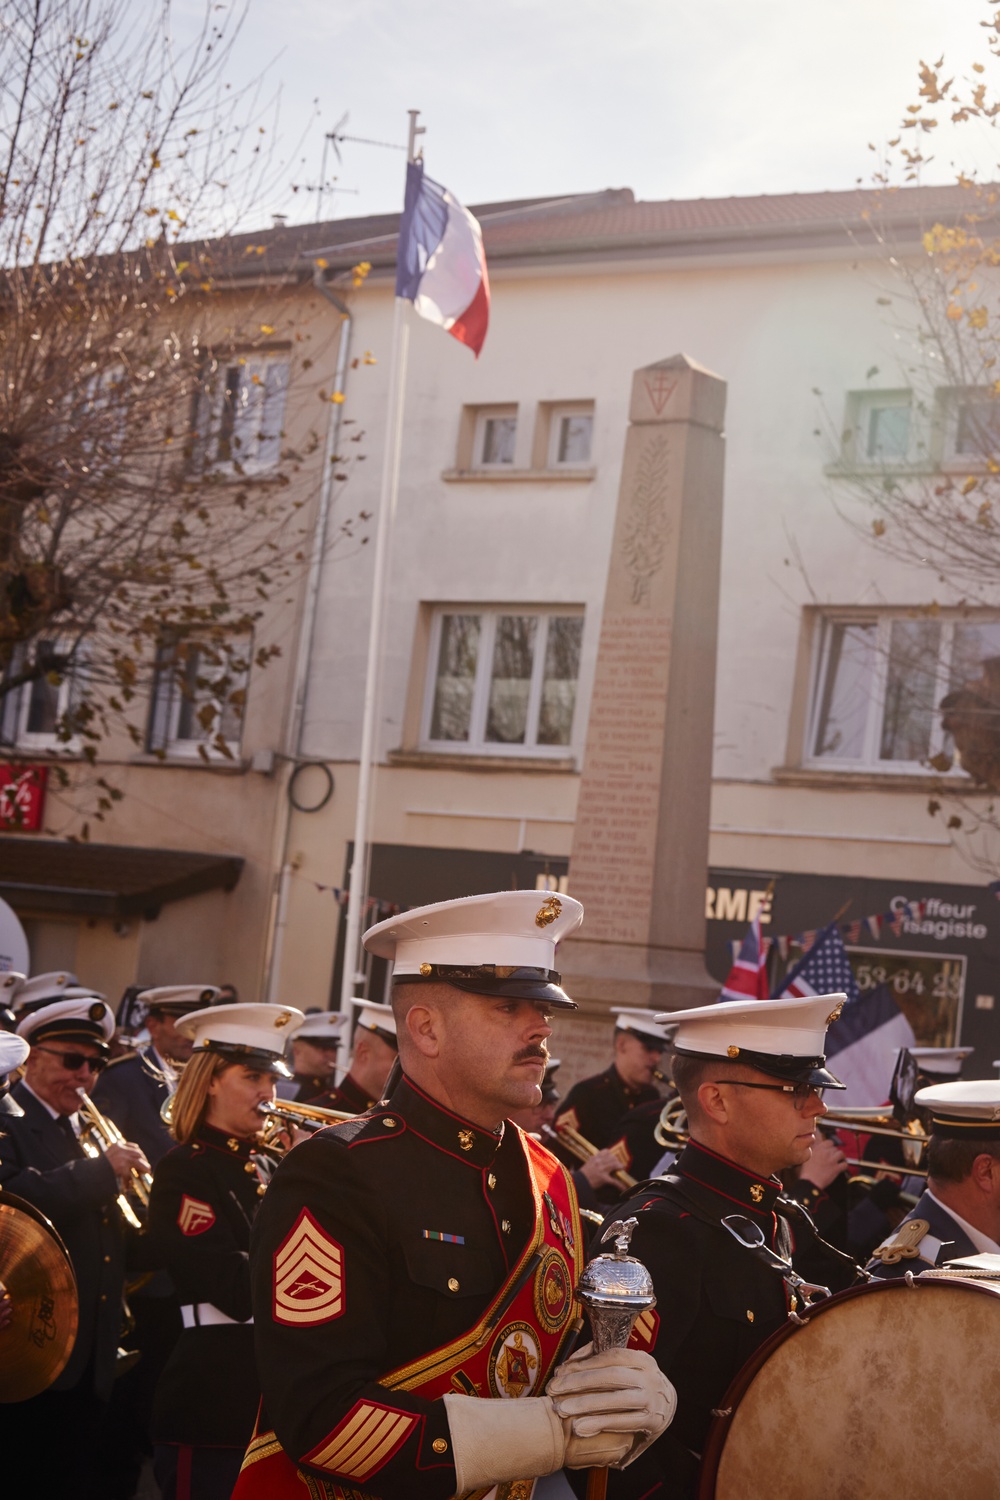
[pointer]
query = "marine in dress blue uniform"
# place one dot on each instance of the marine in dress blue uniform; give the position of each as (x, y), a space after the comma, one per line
(372, 1058)
(751, 1075)
(959, 1212)
(206, 1191)
(597, 1106)
(413, 1264)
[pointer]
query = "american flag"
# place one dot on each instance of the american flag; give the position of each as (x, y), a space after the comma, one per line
(748, 976)
(864, 1041)
(825, 969)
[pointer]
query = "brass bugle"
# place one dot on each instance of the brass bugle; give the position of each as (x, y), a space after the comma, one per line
(96, 1135)
(289, 1114)
(578, 1145)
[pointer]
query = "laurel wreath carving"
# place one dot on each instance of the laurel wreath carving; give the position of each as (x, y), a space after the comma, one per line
(646, 529)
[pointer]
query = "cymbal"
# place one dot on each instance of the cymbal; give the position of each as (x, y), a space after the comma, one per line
(38, 1274)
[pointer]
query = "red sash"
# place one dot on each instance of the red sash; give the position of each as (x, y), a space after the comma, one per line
(509, 1352)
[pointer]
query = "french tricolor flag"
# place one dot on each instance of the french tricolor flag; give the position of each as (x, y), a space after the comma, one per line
(441, 265)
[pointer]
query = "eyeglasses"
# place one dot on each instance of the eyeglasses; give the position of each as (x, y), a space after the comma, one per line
(72, 1061)
(801, 1092)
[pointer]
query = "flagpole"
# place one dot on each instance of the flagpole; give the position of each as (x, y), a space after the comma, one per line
(388, 496)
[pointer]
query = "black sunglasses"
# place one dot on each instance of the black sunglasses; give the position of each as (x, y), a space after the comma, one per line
(801, 1092)
(72, 1061)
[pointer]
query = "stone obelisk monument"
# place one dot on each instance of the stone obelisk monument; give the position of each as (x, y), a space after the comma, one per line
(639, 860)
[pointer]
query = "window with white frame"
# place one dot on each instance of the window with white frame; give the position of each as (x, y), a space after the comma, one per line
(879, 682)
(240, 415)
(879, 431)
(503, 680)
(971, 426)
(571, 436)
(495, 438)
(197, 700)
(34, 715)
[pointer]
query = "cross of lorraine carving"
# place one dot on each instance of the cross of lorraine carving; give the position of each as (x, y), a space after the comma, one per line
(659, 390)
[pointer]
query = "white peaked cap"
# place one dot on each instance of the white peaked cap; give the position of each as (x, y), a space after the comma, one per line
(377, 1018)
(785, 1037)
(253, 1033)
(643, 1022)
(478, 943)
(86, 1019)
(969, 1109)
(40, 989)
(946, 1060)
(13, 1051)
(179, 996)
(322, 1026)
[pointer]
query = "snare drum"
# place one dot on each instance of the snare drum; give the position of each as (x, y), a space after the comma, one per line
(886, 1389)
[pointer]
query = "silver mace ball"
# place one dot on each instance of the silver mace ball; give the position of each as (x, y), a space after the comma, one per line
(615, 1288)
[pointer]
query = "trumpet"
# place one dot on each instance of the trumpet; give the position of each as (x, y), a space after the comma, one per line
(583, 1150)
(288, 1114)
(671, 1133)
(96, 1135)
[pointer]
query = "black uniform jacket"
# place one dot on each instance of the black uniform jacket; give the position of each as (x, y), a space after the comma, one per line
(416, 1217)
(42, 1161)
(204, 1198)
(347, 1097)
(303, 1088)
(944, 1240)
(595, 1106)
(130, 1093)
(715, 1303)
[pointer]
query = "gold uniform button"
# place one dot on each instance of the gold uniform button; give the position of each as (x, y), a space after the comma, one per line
(749, 1316)
(439, 1445)
(491, 1181)
(262, 1190)
(233, 1143)
(107, 1260)
(452, 1284)
(505, 1225)
(249, 1167)
(389, 1124)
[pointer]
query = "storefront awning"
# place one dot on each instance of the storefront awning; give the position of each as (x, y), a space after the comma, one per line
(106, 880)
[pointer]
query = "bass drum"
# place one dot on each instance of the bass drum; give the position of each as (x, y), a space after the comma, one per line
(885, 1389)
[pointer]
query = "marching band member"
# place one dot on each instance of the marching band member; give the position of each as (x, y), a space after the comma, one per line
(374, 1053)
(206, 1192)
(423, 1256)
(596, 1106)
(751, 1076)
(312, 1054)
(134, 1087)
(42, 1161)
(959, 1212)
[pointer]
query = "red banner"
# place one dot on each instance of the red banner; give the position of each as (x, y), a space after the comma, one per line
(22, 798)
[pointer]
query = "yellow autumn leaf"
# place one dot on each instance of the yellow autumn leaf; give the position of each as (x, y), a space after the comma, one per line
(266, 328)
(370, 358)
(954, 312)
(969, 485)
(878, 527)
(337, 398)
(319, 261)
(978, 317)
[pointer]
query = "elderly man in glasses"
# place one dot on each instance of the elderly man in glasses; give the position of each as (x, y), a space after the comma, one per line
(41, 1160)
(751, 1076)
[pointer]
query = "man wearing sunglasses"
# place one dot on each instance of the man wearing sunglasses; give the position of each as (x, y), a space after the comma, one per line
(41, 1160)
(751, 1075)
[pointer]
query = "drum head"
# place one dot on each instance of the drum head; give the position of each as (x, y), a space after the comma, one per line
(887, 1390)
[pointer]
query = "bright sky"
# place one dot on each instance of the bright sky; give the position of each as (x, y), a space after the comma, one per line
(673, 98)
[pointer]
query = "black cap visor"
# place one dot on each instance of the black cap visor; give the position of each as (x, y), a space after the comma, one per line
(500, 980)
(789, 1069)
(250, 1057)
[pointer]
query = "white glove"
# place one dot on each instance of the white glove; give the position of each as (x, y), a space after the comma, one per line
(622, 1391)
(496, 1440)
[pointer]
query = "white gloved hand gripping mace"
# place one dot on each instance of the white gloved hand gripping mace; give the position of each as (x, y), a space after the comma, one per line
(615, 1288)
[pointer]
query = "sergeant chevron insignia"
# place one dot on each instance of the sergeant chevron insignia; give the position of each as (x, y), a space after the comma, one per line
(308, 1275)
(194, 1216)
